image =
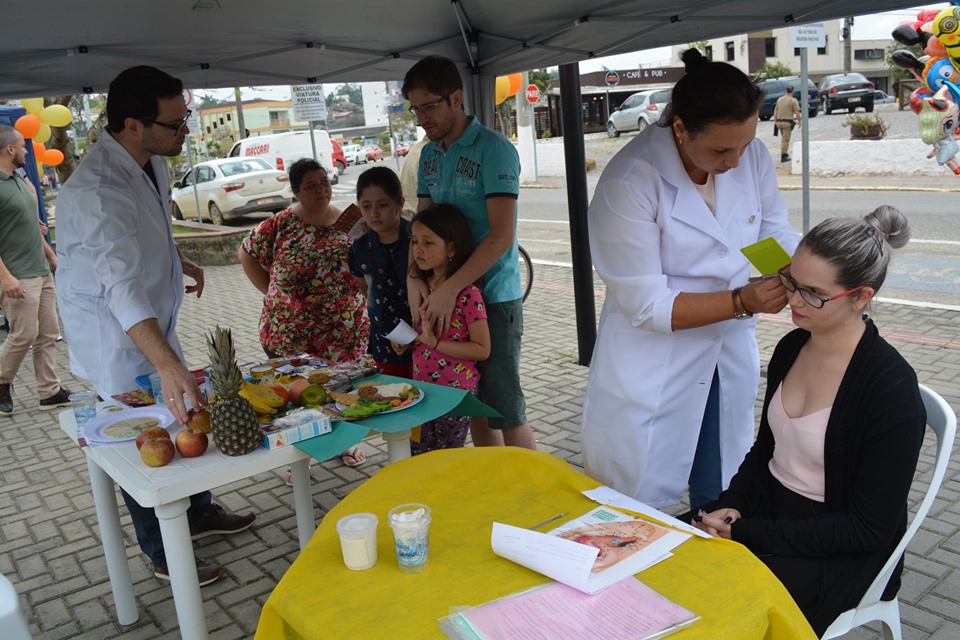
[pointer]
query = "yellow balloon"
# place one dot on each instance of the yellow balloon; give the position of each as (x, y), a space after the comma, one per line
(56, 115)
(32, 105)
(45, 133)
(503, 89)
(39, 168)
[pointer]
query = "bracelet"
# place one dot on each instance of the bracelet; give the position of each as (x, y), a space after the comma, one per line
(739, 311)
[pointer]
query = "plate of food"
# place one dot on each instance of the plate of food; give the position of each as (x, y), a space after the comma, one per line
(374, 399)
(120, 426)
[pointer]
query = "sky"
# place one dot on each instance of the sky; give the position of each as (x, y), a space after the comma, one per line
(870, 27)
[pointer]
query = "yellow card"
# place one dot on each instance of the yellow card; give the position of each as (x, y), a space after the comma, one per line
(767, 256)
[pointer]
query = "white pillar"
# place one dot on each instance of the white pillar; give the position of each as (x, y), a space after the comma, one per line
(526, 134)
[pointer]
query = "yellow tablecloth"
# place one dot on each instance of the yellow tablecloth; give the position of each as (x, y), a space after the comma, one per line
(467, 489)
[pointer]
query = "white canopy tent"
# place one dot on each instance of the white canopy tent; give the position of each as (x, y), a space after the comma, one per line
(62, 48)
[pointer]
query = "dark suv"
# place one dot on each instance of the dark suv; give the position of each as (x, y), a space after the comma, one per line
(774, 88)
(846, 91)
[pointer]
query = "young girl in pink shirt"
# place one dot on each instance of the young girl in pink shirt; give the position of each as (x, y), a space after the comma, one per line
(441, 242)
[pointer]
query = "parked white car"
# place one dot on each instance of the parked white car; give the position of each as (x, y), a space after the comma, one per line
(229, 188)
(638, 112)
(354, 154)
(880, 97)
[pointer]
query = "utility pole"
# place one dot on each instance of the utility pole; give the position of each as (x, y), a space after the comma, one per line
(847, 33)
(241, 127)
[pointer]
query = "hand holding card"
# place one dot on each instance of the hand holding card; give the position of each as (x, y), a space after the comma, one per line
(768, 256)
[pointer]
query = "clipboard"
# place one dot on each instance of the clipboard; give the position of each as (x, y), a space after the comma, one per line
(768, 256)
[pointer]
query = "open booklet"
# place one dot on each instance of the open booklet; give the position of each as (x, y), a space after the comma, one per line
(628, 610)
(591, 552)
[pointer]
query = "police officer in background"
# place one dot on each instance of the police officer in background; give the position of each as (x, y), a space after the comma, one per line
(786, 115)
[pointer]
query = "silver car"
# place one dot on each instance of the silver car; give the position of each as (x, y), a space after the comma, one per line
(638, 112)
(229, 188)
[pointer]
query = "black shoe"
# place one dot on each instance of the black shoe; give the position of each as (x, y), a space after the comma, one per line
(217, 521)
(59, 399)
(6, 399)
(784, 157)
(207, 572)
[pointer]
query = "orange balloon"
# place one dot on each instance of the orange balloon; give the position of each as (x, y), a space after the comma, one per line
(516, 80)
(28, 125)
(39, 150)
(52, 157)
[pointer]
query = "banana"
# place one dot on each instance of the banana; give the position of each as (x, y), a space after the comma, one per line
(266, 396)
(259, 405)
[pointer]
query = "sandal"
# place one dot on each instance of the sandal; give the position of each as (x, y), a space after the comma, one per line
(353, 457)
(288, 474)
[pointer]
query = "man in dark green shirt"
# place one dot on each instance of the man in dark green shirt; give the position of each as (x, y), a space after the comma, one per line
(27, 294)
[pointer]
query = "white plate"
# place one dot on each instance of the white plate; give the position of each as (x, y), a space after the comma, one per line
(127, 424)
(340, 406)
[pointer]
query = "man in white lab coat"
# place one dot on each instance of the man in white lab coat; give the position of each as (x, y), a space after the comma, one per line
(120, 277)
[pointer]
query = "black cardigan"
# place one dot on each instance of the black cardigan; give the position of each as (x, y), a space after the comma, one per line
(871, 446)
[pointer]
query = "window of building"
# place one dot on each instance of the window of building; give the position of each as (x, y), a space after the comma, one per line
(868, 54)
(728, 48)
(221, 119)
(229, 117)
(770, 44)
(822, 51)
(796, 52)
(708, 52)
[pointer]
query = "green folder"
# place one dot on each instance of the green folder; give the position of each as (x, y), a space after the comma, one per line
(437, 401)
(767, 256)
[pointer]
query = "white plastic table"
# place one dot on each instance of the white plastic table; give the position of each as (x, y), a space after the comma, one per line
(168, 490)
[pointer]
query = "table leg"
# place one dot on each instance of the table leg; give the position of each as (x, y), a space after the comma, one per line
(114, 549)
(303, 500)
(398, 445)
(183, 568)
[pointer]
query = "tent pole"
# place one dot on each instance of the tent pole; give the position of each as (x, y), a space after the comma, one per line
(575, 159)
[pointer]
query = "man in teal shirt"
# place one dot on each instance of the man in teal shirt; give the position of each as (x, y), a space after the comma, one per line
(476, 169)
(28, 297)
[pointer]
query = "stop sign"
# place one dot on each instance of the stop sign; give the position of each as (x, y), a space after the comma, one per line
(533, 93)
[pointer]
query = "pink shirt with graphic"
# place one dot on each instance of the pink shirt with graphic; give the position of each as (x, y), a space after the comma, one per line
(433, 366)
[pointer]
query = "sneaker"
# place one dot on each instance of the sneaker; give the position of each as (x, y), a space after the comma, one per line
(59, 399)
(784, 158)
(217, 521)
(207, 572)
(6, 399)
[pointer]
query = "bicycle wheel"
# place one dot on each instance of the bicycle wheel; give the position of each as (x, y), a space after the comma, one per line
(526, 273)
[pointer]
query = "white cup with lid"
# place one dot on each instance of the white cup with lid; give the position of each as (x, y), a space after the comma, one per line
(358, 540)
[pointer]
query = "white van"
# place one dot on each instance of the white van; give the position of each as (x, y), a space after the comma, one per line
(283, 149)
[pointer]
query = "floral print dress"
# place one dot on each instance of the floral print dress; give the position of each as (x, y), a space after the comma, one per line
(313, 303)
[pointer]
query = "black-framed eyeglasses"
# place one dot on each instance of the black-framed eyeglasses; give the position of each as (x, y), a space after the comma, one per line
(430, 107)
(176, 128)
(814, 300)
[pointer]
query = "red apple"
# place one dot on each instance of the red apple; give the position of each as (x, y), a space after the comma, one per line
(295, 388)
(150, 433)
(191, 442)
(157, 452)
(199, 419)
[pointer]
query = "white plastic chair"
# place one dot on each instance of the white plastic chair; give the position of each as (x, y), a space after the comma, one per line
(11, 620)
(943, 421)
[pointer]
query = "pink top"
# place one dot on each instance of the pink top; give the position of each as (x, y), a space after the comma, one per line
(798, 455)
(436, 367)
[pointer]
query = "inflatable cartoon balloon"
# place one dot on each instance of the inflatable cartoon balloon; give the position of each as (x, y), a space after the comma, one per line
(940, 127)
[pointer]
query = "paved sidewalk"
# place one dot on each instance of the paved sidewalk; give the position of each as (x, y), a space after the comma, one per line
(49, 545)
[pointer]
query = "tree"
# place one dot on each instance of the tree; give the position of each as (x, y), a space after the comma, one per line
(543, 78)
(353, 92)
(774, 70)
(208, 101)
(702, 46)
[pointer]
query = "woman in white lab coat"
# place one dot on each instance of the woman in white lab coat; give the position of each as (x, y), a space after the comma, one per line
(674, 375)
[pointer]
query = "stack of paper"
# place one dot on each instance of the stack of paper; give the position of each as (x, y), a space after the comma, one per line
(591, 552)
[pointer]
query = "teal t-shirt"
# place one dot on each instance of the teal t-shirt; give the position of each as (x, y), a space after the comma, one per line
(21, 247)
(481, 164)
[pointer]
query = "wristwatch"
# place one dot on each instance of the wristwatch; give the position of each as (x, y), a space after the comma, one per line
(738, 310)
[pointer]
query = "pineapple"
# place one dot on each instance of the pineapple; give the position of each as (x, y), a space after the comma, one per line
(233, 421)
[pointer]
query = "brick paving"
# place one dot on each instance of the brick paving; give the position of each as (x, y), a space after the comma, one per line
(49, 544)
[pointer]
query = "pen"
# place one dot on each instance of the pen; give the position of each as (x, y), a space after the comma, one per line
(547, 521)
(761, 278)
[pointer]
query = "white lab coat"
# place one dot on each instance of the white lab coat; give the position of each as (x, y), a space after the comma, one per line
(117, 264)
(653, 237)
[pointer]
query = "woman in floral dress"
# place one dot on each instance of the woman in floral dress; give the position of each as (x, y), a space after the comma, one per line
(298, 260)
